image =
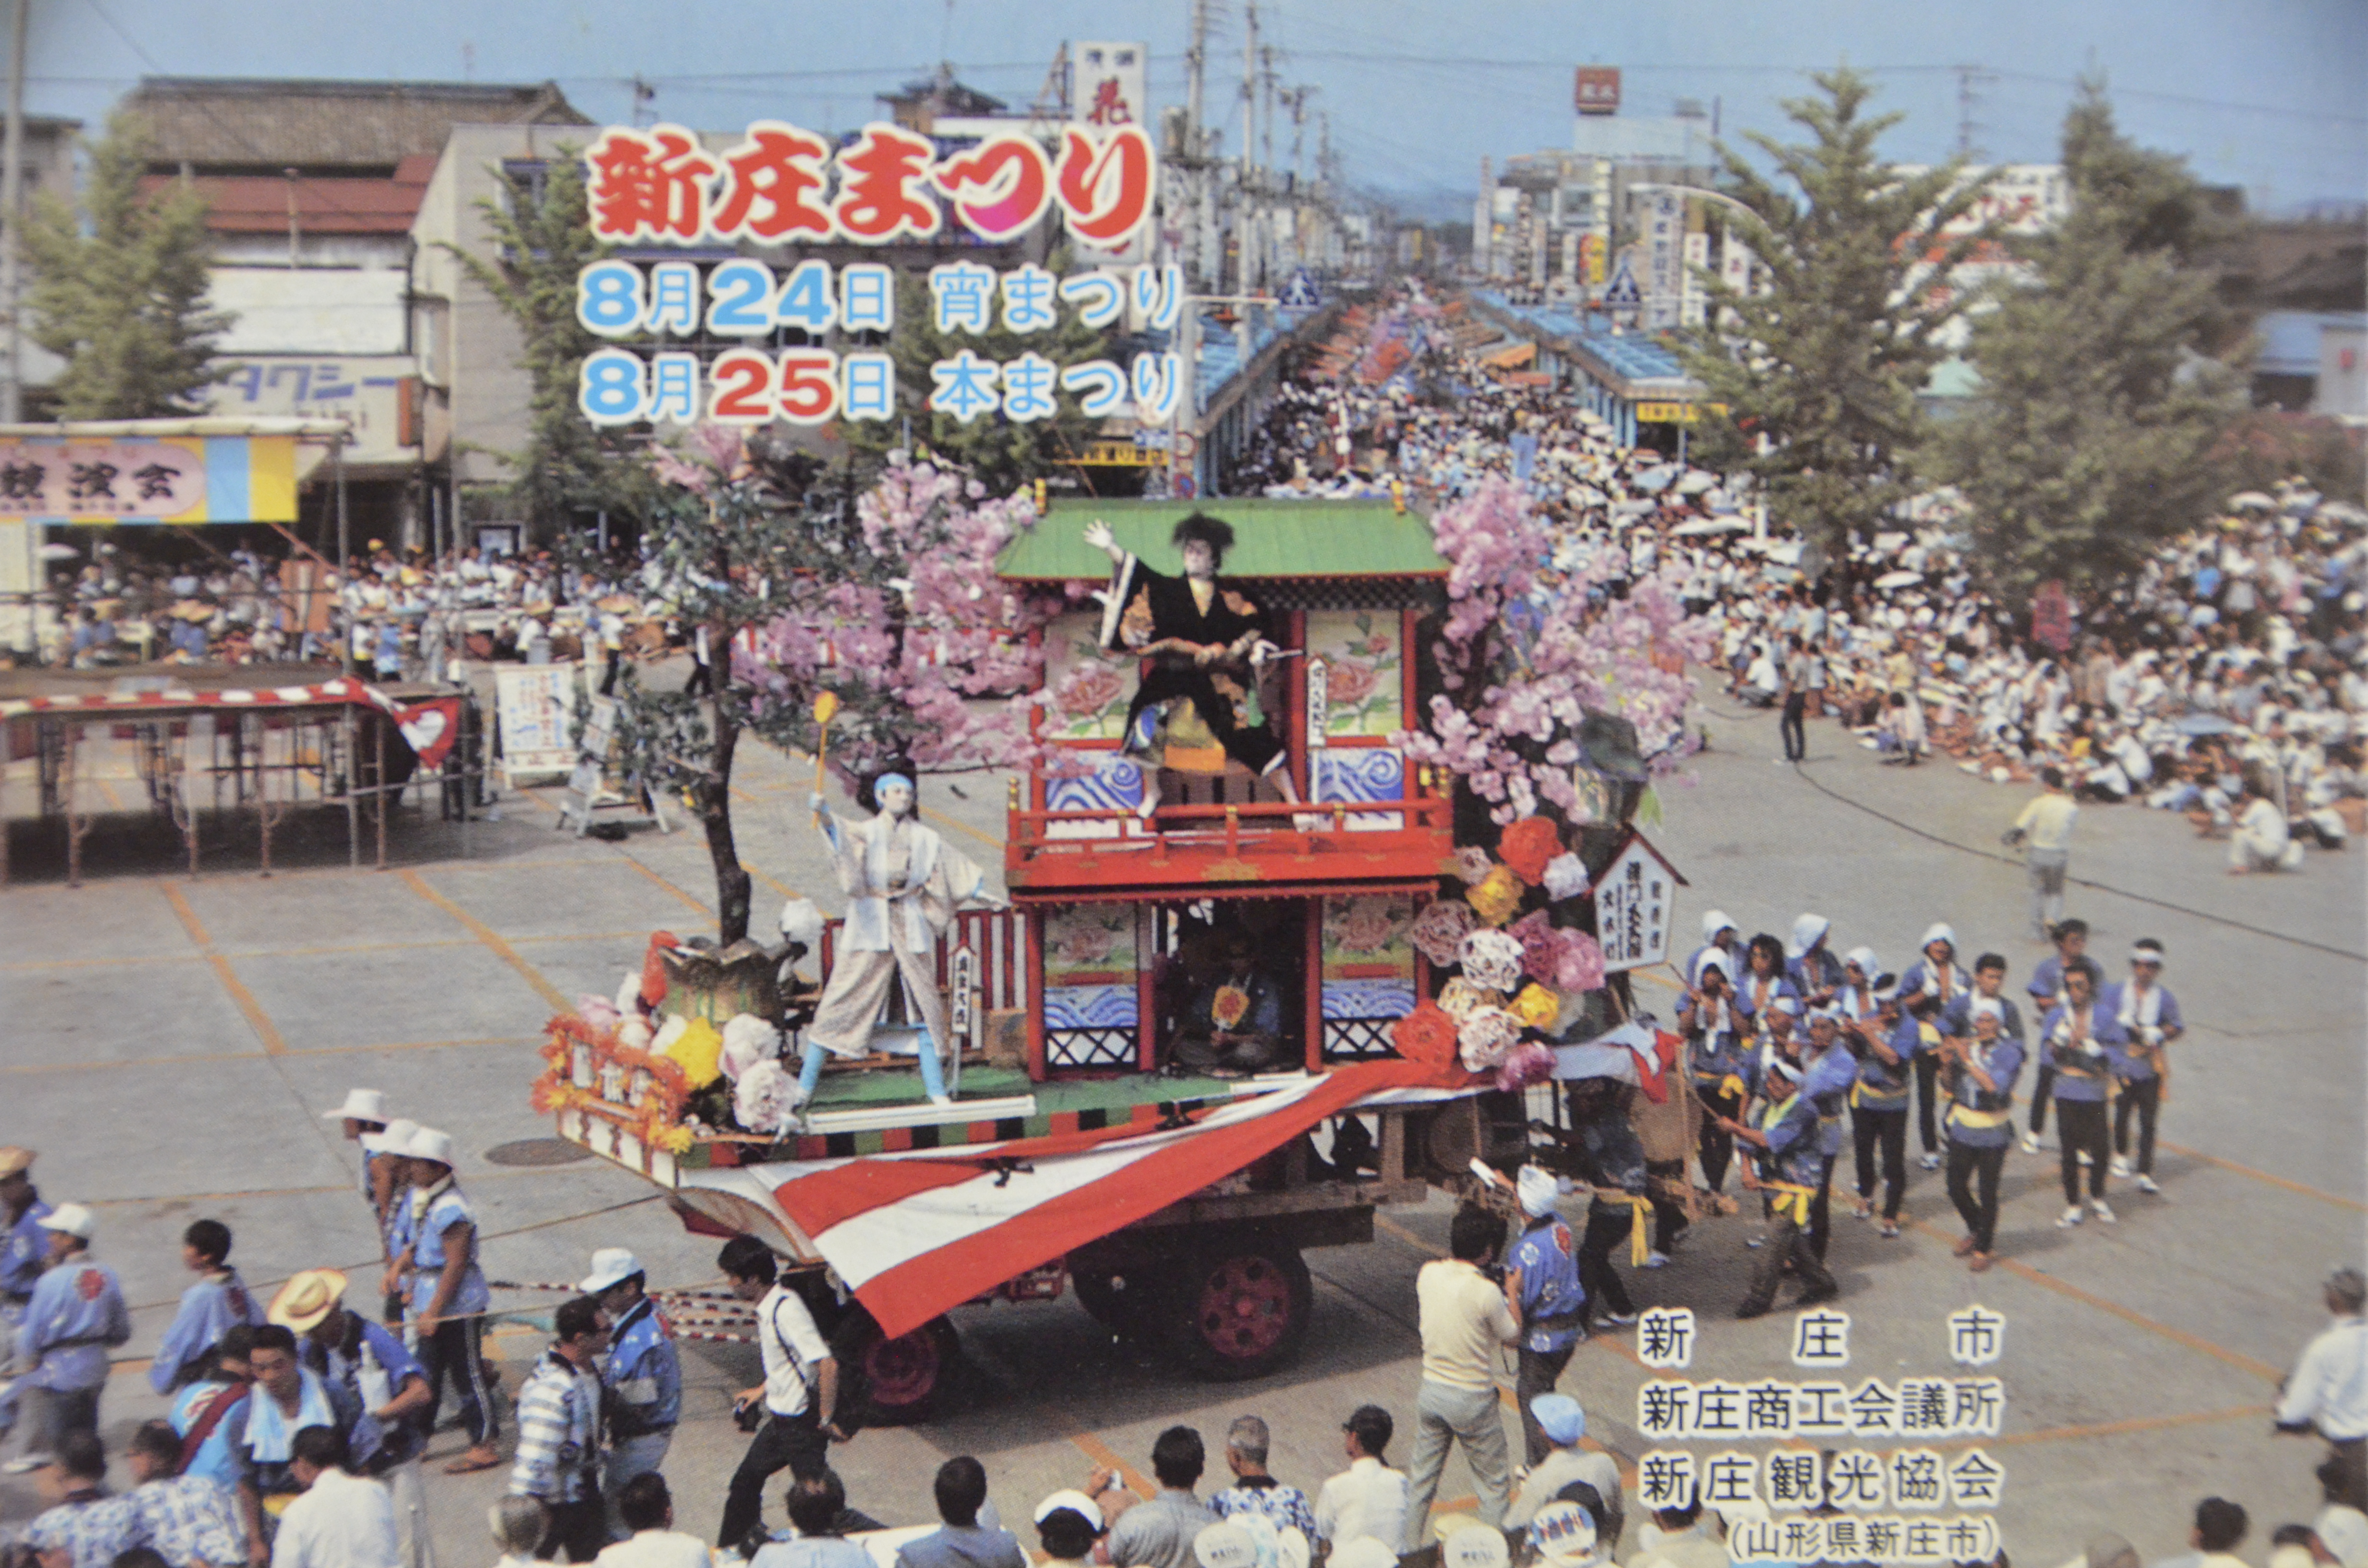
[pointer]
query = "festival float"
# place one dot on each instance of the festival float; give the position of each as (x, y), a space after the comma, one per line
(1274, 954)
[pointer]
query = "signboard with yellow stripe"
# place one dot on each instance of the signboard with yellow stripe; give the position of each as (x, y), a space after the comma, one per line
(161, 479)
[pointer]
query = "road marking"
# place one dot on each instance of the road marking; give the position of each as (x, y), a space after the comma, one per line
(935, 815)
(190, 921)
(779, 887)
(1105, 1457)
(2119, 1429)
(2176, 1335)
(487, 935)
(267, 1033)
(2337, 1198)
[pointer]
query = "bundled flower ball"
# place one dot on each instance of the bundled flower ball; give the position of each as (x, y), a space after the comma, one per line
(1537, 1006)
(766, 1099)
(595, 1011)
(1582, 962)
(1459, 997)
(748, 1039)
(1498, 897)
(1565, 877)
(1570, 961)
(1472, 864)
(1527, 846)
(1524, 1065)
(1484, 1038)
(1492, 959)
(1427, 1035)
(692, 1044)
(1439, 929)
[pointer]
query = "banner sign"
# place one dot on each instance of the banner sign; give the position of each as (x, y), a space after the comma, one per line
(172, 479)
(1595, 89)
(784, 186)
(1634, 901)
(1665, 222)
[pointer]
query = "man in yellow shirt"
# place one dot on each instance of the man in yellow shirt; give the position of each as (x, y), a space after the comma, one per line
(1465, 1317)
(2044, 832)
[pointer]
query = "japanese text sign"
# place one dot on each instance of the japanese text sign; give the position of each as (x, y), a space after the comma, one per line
(208, 479)
(1596, 89)
(1632, 904)
(780, 185)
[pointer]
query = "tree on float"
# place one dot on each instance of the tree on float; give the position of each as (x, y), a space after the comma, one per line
(889, 600)
(1558, 697)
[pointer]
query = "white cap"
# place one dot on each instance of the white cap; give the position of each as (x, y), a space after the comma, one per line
(610, 1265)
(1224, 1545)
(1715, 922)
(395, 1138)
(361, 1104)
(72, 1218)
(1474, 1546)
(1806, 933)
(1537, 1190)
(1363, 1552)
(430, 1145)
(1074, 1500)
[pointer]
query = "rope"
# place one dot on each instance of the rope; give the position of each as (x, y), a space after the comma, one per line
(2079, 882)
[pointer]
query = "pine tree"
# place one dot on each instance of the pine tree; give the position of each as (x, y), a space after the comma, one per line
(119, 286)
(542, 240)
(1827, 361)
(2087, 444)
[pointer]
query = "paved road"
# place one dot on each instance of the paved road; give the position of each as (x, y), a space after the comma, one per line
(174, 1041)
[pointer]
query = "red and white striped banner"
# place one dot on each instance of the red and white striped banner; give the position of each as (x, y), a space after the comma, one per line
(916, 1234)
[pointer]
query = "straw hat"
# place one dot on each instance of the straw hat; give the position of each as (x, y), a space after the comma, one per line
(309, 1295)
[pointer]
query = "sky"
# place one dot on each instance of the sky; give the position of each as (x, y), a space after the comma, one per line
(2268, 94)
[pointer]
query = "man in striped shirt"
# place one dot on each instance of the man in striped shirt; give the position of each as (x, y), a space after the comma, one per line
(559, 1433)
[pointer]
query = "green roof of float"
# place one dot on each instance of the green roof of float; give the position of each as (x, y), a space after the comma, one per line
(1271, 539)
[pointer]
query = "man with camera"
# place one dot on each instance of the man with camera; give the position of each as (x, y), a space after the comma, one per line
(560, 1430)
(793, 1413)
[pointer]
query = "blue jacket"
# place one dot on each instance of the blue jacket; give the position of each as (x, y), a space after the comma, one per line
(1882, 1086)
(643, 1377)
(368, 1368)
(77, 1315)
(25, 1252)
(1971, 1103)
(1551, 1293)
(1793, 1152)
(2129, 1063)
(1957, 1018)
(1828, 1088)
(2080, 1073)
(446, 1210)
(208, 1308)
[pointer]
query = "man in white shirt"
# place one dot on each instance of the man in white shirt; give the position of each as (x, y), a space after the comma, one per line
(1368, 1499)
(2044, 833)
(1465, 1317)
(798, 1399)
(342, 1521)
(647, 1508)
(2328, 1391)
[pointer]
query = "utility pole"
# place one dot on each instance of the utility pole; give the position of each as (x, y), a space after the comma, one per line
(12, 201)
(1971, 80)
(1196, 61)
(1245, 225)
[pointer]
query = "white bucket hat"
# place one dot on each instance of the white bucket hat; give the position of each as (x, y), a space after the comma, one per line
(610, 1266)
(361, 1104)
(395, 1138)
(430, 1145)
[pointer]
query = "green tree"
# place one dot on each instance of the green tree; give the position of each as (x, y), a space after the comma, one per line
(543, 239)
(2087, 444)
(1826, 363)
(118, 288)
(1002, 454)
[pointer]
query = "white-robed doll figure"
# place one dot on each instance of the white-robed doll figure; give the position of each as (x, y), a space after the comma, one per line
(903, 885)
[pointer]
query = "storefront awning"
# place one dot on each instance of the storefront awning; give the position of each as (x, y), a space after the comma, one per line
(1511, 359)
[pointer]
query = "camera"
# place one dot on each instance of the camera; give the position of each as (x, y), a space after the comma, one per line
(750, 1415)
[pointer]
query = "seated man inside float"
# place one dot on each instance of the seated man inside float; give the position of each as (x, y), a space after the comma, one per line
(1232, 1026)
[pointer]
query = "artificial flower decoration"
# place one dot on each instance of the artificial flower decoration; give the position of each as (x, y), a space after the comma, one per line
(1439, 930)
(696, 1047)
(748, 1039)
(1565, 877)
(1427, 1035)
(764, 1100)
(1528, 846)
(1492, 959)
(1498, 897)
(1472, 864)
(1524, 1065)
(1582, 962)
(1536, 1007)
(1486, 1035)
(1458, 998)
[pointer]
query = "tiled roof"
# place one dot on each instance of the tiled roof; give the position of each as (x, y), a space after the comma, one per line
(242, 122)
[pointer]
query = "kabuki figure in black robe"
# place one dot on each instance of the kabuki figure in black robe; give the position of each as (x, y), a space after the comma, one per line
(1205, 644)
